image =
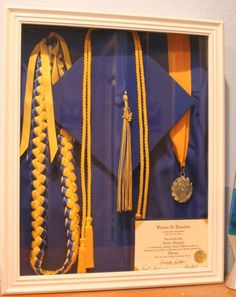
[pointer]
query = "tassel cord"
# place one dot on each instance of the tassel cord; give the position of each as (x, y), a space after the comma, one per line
(86, 251)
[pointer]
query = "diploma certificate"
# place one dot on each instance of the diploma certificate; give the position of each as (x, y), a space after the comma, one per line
(165, 244)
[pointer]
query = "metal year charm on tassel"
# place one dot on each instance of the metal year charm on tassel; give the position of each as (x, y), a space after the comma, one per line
(182, 188)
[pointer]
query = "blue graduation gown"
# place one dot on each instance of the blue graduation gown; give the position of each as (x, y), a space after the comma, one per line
(113, 72)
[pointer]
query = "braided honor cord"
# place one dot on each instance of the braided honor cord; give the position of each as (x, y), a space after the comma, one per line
(49, 67)
(143, 130)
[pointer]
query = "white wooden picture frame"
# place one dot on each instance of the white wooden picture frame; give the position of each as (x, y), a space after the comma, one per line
(12, 282)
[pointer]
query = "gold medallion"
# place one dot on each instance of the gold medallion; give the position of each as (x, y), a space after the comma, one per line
(182, 189)
(200, 256)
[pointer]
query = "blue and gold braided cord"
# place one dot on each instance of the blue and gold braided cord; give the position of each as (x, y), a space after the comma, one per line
(39, 167)
(40, 163)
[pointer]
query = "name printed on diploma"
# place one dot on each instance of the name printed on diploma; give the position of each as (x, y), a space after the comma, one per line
(165, 244)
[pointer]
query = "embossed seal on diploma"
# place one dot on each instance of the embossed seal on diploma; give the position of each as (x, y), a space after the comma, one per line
(200, 256)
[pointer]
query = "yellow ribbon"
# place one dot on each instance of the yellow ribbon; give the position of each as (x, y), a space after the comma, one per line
(42, 50)
(28, 100)
(47, 88)
(179, 59)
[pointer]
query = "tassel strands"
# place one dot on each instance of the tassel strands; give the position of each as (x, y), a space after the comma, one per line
(124, 186)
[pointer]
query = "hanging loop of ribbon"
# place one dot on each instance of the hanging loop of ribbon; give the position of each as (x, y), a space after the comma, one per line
(41, 50)
(180, 70)
(179, 58)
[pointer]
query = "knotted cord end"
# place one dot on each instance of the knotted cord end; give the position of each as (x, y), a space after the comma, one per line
(138, 216)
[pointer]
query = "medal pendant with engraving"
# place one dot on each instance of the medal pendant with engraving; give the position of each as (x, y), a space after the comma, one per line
(182, 189)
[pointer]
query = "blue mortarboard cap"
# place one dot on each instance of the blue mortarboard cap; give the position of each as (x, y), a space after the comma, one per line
(166, 103)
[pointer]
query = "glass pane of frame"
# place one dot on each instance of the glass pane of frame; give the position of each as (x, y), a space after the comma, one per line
(146, 95)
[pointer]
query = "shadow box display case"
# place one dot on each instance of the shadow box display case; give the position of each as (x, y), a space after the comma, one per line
(113, 151)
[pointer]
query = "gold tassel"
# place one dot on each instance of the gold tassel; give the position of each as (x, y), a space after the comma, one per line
(124, 187)
(81, 258)
(89, 243)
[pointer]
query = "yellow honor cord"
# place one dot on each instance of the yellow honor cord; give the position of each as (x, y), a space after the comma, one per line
(179, 59)
(86, 251)
(143, 130)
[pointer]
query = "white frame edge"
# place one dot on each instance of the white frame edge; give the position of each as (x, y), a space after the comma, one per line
(12, 282)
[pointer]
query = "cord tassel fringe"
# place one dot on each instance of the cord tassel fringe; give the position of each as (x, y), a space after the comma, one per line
(81, 258)
(89, 243)
(124, 187)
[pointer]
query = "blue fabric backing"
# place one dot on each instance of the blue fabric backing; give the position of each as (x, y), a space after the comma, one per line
(113, 72)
